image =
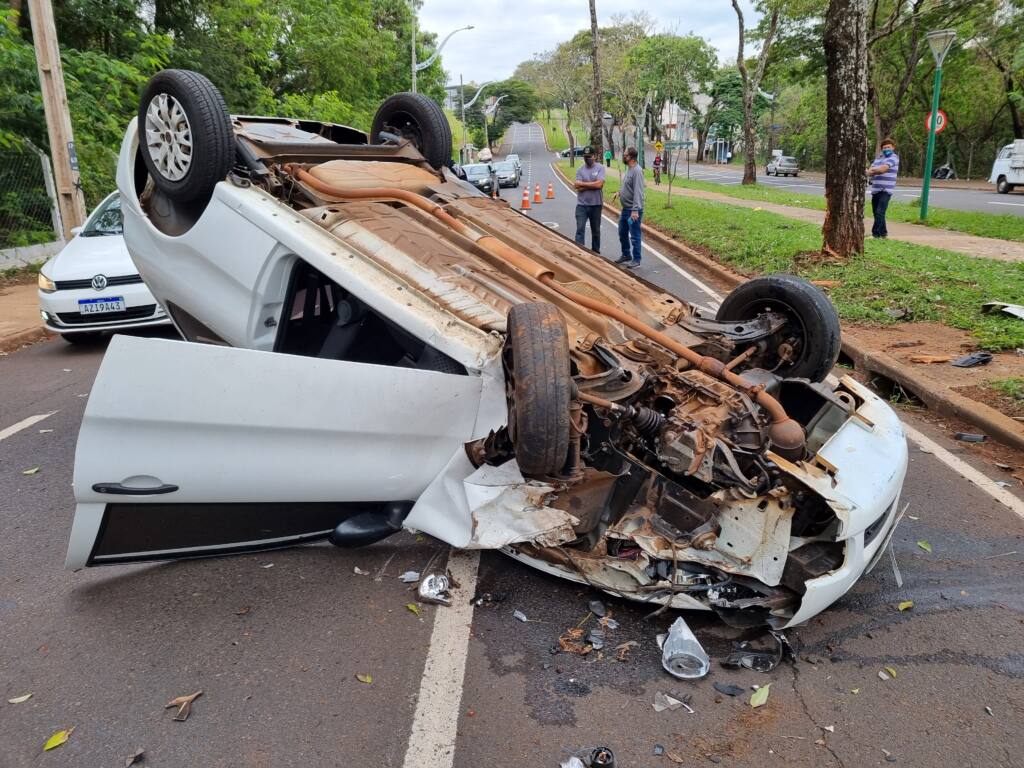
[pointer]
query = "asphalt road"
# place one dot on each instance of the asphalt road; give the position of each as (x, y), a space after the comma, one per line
(988, 201)
(276, 650)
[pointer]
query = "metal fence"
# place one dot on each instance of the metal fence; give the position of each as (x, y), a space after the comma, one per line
(28, 212)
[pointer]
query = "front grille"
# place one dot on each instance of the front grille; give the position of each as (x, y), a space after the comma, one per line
(132, 313)
(67, 285)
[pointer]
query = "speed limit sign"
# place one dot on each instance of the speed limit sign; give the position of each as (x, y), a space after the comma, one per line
(658, 146)
(940, 123)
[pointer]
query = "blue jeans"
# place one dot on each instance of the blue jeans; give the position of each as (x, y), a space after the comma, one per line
(630, 230)
(591, 213)
(879, 204)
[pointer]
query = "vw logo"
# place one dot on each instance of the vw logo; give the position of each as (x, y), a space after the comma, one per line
(99, 282)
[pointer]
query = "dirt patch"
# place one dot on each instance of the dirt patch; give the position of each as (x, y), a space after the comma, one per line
(1001, 402)
(17, 277)
(910, 342)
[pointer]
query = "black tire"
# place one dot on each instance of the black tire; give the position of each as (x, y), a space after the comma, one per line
(813, 327)
(419, 119)
(1002, 187)
(209, 130)
(539, 381)
(82, 339)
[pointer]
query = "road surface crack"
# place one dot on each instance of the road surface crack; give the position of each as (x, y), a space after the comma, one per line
(807, 711)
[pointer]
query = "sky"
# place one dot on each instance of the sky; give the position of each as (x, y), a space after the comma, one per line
(507, 32)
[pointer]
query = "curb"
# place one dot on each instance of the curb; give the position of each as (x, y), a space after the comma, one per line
(23, 338)
(866, 360)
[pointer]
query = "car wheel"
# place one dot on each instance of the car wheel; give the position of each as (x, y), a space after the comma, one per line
(539, 385)
(185, 134)
(82, 338)
(807, 346)
(1001, 186)
(417, 118)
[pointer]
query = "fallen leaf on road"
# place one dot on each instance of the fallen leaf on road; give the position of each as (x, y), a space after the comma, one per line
(243, 610)
(674, 757)
(413, 608)
(60, 737)
(760, 697)
(930, 358)
(368, 679)
(989, 711)
(855, 691)
(891, 671)
(924, 545)
(622, 651)
(906, 605)
(20, 699)
(44, 431)
(134, 758)
(32, 471)
(184, 705)
(570, 642)
(359, 571)
(826, 283)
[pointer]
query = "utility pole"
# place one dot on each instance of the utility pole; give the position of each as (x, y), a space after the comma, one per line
(58, 119)
(413, 46)
(462, 102)
(940, 42)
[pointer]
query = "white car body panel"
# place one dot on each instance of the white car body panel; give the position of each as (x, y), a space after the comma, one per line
(1009, 163)
(82, 259)
(253, 426)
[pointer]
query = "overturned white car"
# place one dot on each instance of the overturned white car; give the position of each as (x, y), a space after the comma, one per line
(373, 345)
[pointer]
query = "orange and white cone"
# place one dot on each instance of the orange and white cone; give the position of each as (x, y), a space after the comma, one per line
(551, 191)
(526, 200)
(536, 194)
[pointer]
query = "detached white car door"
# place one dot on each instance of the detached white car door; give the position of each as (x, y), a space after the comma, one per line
(189, 450)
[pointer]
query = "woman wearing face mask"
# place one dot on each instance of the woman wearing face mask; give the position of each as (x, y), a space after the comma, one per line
(883, 181)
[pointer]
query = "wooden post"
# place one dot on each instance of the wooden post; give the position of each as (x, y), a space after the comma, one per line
(58, 119)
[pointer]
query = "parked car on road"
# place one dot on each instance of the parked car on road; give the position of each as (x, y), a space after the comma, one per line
(514, 158)
(1008, 169)
(372, 346)
(576, 151)
(92, 286)
(508, 174)
(782, 166)
(479, 175)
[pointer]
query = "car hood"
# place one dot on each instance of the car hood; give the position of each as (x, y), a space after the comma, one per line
(85, 257)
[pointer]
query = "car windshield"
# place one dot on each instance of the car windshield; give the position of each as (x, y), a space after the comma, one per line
(506, 167)
(476, 171)
(513, 158)
(105, 220)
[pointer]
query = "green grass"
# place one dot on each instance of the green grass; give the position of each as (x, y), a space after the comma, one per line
(929, 283)
(456, 126)
(1012, 387)
(999, 225)
(556, 138)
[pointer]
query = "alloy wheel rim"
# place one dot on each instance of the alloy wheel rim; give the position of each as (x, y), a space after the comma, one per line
(169, 137)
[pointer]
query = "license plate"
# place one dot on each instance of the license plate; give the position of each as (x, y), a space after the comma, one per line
(100, 306)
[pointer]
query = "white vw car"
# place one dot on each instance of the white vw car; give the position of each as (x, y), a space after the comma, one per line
(92, 286)
(371, 345)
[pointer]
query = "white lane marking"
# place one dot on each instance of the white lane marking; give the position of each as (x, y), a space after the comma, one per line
(993, 202)
(958, 465)
(961, 467)
(668, 262)
(432, 739)
(24, 424)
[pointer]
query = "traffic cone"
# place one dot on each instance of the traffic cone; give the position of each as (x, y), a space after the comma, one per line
(551, 191)
(536, 194)
(526, 200)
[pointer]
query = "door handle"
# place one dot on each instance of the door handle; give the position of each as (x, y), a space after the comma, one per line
(125, 490)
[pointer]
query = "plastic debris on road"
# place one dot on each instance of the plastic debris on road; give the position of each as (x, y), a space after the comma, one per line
(682, 655)
(598, 608)
(410, 577)
(434, 588)
(519, 616)
(745, 657)
(727, 689)
(596, 639)
(1014, 310)
(572, 762)
(602, 757)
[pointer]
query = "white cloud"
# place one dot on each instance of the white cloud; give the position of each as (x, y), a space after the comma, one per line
(507, 32)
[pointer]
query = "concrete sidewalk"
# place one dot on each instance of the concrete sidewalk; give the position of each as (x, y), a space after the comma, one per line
(20, 323)
(971, 245)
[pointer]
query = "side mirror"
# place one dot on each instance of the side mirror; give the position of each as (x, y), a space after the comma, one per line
(77, 230)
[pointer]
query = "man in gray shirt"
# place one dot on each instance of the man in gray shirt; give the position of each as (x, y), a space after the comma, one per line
(631, 197)
(589, 199)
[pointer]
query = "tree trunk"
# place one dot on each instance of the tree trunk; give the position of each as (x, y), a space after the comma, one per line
(749, 140)
(751, 82)
(595, 129)
(845, 43)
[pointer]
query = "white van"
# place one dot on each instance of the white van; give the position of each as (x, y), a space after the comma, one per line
(1008, 169)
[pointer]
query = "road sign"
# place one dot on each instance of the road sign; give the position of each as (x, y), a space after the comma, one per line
(940, 124)
(679, 144)
(658, 146)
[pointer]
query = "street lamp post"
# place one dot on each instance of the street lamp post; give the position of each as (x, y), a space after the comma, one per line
(939, 41)
(491, 110)
(470, 103)
(420, 66)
